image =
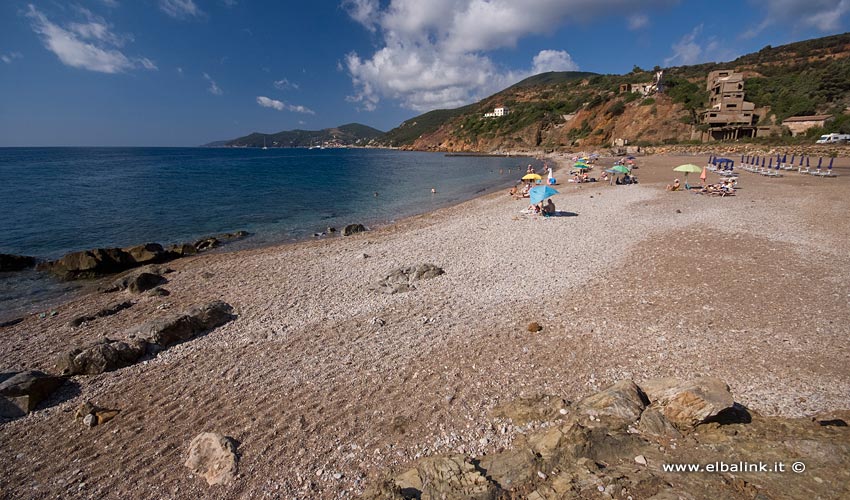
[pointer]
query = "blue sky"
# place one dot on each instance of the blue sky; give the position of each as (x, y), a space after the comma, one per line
(186, 72)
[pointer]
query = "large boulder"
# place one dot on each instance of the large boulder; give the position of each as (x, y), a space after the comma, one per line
(180, 327)
(623, 403)
(404, 279)
(10, 262)
(90, 263)
(689, 403)
(213, 457)
(146, 253)
(353, 229)
(102, 356)
(21, 393)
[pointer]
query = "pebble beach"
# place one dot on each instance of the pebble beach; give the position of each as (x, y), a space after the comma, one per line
(325, 383)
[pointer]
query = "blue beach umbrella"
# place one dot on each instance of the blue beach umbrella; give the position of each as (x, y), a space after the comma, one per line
(540, 193)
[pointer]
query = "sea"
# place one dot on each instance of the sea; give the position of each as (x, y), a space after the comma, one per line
(59, 200)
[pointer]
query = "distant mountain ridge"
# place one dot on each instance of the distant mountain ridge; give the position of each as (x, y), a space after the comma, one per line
(351, 134)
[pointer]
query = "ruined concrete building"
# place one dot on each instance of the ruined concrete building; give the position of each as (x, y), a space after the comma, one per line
(729, 116)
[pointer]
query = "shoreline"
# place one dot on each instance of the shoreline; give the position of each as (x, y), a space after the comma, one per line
(640, 283)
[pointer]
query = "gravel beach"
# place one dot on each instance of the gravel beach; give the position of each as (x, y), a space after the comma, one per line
(325, 383)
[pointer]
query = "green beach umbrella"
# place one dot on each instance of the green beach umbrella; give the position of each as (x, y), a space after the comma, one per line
(687, 169)
(581, 166)
(620, 169)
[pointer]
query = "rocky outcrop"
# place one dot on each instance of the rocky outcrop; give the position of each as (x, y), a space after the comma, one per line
(213, 457)
(22, 392)
(623, 402)
(10, 262)
(353, 229)
(180, 327)
(404, 279)
(614, 444)
(102, 356)
(688, 403)
(98, 262)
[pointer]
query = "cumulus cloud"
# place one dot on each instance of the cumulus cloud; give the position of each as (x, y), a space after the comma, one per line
(686, 50)
(213, 88)
(435, 54)
(638, 21)
(10, 56)
(285, 84)
(180, 9)
(553, 60)
(824, 15)
(88, 45)
(282, 106)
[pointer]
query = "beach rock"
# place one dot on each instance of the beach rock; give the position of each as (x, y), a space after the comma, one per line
(205, 244)
(106, 311)
(654, 424)
(89, 263)
(102, 356)
(353, 229)
(146, 253)
(22, 392)
(511, 467)
(93, 415)
(403, 279)
(534, 327)
(145, 281)
(179, 327)
(210, 242)
(213, 457)
(689, 403)
(182, 250)
(449, 476)
(10, 262)
(623, 403)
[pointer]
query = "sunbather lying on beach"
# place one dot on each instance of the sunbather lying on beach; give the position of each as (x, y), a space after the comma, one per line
(673, 187)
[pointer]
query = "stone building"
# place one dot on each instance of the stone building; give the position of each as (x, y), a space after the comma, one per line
(800, 124)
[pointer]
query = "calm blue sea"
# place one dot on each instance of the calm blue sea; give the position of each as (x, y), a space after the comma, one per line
(59, 200)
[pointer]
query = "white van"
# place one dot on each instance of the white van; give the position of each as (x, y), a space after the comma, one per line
(833, 138)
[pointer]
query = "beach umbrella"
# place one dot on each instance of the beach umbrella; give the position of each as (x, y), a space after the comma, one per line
(540, 193)
(581, 166)
(620, 169)
(687, 169)
(531, 177)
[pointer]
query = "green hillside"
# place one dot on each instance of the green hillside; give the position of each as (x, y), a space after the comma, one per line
(351, 134)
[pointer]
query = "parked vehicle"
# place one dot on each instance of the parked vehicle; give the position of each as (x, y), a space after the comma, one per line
(833, 138)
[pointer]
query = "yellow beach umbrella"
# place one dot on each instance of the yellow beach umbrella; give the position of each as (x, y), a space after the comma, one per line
(530, 177)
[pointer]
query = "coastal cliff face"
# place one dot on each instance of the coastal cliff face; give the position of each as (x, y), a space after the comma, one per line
(656, 120)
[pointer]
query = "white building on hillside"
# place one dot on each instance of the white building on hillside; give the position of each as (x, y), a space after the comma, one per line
(497, 112)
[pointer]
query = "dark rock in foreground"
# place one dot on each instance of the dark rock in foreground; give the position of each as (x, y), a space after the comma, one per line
(10, 262)
(21, 393)
(106, 311)
(102, 356)
(179, 327)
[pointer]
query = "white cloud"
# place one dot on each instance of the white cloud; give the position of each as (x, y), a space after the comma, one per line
(10, 56)
(686, 50)
(553, 60)
(638, 21)
(180, 9)
(824, 15)
(285, 84)
(282, 106)
(435, 54)
(213, 88)
(86, 45)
